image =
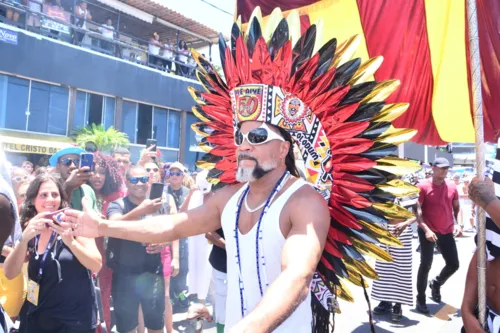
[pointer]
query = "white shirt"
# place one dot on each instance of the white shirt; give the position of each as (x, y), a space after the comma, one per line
(271, 245)
(154, 49)
(107, 31)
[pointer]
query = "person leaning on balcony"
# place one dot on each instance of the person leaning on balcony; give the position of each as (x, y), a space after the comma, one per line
(83, 15)
(182, 58)
(11, 13)
(154, 51)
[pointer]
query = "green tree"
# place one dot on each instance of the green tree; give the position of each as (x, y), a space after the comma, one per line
(105, 140)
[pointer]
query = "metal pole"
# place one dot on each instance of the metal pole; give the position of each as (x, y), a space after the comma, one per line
(480, 161)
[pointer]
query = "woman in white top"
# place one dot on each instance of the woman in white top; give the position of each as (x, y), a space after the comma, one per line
(154, 51)
(182, 58)
(83, 15)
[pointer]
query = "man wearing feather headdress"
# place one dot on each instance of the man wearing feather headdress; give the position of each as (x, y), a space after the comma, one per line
(289, 244)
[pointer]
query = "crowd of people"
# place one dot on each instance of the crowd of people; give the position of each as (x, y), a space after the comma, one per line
(51, 282)
(162, 55)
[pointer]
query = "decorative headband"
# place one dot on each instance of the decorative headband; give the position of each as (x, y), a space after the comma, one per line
(274, 105)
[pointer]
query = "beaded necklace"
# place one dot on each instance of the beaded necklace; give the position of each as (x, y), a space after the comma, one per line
(279, 185)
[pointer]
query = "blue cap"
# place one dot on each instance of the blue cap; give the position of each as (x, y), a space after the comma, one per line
(54, 159)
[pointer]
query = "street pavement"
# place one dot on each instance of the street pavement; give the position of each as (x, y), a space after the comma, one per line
(445, 317)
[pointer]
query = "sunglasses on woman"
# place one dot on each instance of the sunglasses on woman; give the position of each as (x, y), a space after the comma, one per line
(135, 180)
(154, 169)
(176, 173)
(257, 136)
(20, 179)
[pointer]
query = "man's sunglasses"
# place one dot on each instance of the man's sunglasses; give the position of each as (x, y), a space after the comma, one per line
(154, 169)
(67, 162)
(20, 179)
(135, 180)
(176, 173)
(257, 136)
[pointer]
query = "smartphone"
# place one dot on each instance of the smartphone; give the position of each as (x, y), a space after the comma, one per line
(87, 160)
(56, 216)
(156, 191)
(151, 142)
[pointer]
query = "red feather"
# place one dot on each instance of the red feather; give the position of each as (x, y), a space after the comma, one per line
(282, 65)
(351, 163)
(350, 146)
(339, 236)
(348, 197)
(232, 78)
(331, 248)
(352, 182)
(242, 61)
(348, 130)
(228, 177)
(342, 216)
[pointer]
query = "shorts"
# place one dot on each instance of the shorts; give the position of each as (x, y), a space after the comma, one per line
(12, 293)
(166, 259)
(220, 291)
(129, 290)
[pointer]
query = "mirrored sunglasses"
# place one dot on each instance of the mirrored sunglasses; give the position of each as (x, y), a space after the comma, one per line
(135, 180)
(67, 162)
(257, 136)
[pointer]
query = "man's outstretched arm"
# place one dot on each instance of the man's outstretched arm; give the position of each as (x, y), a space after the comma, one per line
(300, 256)
(158, 229)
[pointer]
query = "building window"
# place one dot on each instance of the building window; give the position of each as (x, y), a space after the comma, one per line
(160, 119)
(33, 106)
(13, 102)
(129, 119)
(48, 109)
(192, 152)
(93, 109)
(144, 123)
(174, 129)
(166, 127)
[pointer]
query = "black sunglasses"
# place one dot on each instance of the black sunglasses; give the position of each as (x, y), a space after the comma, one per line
(154, 170)
(257, 136)
(135, 180)
(67, 162)
(176, 173)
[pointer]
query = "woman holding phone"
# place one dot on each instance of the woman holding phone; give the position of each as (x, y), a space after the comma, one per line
(107, 182)
(169, 255)
(61, 295)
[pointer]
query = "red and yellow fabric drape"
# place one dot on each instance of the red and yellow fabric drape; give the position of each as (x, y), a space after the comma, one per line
(425, 45)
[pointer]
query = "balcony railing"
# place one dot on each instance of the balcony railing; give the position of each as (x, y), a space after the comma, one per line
(55, 22)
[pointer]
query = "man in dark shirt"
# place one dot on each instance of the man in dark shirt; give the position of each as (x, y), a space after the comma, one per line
(140, 271)
(218, 260)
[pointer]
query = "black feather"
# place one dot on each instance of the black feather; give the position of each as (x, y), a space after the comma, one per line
(235, 34)
(280, 36)
(304, 48)
(366, 112)
(222, 50)
(358, 92)
(379, 150)
(326, 54)
(375, 130)
(345, 72)
(254, 33)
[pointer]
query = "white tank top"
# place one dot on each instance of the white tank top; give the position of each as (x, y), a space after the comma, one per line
(271, 244)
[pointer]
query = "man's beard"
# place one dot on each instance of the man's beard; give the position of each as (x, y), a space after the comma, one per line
(251, 174)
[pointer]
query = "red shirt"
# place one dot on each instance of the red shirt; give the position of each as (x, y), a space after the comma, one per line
(437, 205)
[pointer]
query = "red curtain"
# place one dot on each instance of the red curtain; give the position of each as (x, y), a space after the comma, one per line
(246, 7)
(488, 16)
(397, 31)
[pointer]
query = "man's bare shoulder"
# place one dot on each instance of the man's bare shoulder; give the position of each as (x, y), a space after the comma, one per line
(306, 201)
(222, 196)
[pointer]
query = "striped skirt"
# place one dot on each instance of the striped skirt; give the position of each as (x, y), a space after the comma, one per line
(395, 278)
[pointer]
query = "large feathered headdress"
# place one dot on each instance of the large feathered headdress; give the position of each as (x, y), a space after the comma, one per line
(338, 118)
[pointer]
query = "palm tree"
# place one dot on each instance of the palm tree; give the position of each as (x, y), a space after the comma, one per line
(105, 140)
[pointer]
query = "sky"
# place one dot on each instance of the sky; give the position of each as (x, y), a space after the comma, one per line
(220, 19)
